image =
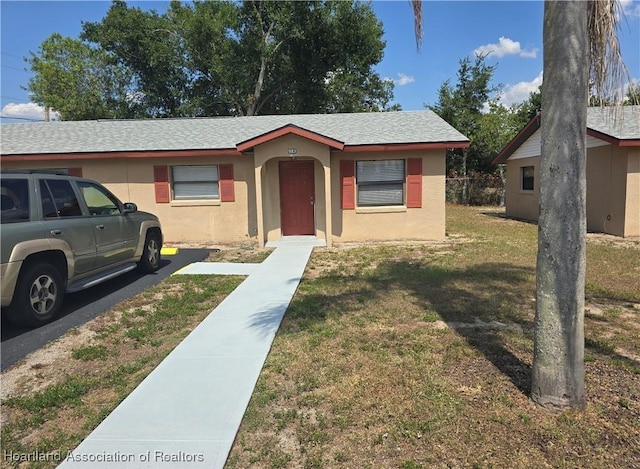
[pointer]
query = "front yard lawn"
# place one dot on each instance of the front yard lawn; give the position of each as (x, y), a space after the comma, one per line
(394, 355)
(419, 355)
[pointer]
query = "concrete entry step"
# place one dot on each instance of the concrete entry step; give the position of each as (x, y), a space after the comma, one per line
(297, 240)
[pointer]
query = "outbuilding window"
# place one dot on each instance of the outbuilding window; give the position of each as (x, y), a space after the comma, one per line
(526, 178)
(195, 182)
(380, 182)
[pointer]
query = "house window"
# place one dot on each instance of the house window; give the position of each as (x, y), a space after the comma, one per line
(195, 182)
(380, 183)
(526, 178)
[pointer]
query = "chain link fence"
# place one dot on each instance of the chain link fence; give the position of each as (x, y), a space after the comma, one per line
(483, 189)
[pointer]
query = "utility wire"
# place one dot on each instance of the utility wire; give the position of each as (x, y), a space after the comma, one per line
(16, 69)
(15, 99)
(11, 55)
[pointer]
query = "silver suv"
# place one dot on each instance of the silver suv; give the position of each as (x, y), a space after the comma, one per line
(63, 234)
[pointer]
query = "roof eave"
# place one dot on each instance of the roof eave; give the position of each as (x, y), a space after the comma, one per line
(518, 140)
(289, 129)
(385, 147)
(613, 140)
(119, 154)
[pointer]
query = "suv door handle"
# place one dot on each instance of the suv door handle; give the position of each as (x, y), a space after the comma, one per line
(100, 227)
(56, 232)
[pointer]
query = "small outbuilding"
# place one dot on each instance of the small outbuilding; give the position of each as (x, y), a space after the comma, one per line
(613, 171)
(339, 177)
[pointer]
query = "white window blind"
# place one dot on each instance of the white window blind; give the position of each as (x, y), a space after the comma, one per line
(380, 183)
(195, 182)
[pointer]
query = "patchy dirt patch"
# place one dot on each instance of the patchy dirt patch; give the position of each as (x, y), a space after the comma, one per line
(55, 396)
(607, 239)
(45, 366)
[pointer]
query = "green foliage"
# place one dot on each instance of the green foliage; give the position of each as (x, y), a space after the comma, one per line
(472, 107)
(217, 58)
(633, 95)
(79, 81)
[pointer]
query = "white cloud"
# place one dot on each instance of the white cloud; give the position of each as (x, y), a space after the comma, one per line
(630, 7)
(519, 92)
(28, 111)
(504, 47)
(404, 79)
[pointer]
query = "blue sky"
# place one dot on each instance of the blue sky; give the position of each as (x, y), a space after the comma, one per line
(510, 30)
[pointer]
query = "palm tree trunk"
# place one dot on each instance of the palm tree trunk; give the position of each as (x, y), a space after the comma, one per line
(558, 360)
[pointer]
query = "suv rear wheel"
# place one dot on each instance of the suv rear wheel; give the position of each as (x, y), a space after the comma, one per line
(38, 295)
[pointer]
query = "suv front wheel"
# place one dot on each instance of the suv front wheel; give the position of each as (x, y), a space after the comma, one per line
(150, 260)
(38, 295)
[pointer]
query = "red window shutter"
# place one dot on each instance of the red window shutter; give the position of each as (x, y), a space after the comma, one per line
(227, 193)
(161, 184)
(414, 183)
(74, 172)
(348, 185)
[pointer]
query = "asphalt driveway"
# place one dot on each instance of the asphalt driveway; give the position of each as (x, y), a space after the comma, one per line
(81, 307)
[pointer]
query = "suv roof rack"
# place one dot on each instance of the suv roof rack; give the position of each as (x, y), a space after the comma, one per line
(58, 172)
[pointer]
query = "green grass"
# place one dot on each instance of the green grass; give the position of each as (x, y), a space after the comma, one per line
(390, 355)
(126, 348)
(90, 352)
(425, 350)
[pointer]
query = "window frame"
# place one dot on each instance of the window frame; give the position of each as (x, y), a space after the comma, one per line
(398, 183)
(530, 186)
(194, 182)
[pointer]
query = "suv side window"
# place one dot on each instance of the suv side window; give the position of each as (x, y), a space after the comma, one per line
(99, 201)
(58, 199)
(14, 200)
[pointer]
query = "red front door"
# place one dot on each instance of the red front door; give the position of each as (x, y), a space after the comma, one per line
(297, 198)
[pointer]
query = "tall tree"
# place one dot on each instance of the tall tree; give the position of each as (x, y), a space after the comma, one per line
(580, 47)
(148, 44)
(244, 58)
(580, 42)
(462, 105)
(310, 56)
(79, 82)
(558, 355)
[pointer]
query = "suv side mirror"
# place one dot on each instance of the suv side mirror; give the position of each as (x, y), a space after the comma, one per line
(130, 207)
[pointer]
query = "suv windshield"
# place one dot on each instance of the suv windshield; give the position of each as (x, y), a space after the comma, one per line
(14, 200)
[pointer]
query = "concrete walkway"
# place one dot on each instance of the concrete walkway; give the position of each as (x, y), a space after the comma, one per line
(186, 413)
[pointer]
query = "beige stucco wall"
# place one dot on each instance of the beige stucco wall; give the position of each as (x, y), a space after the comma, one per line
(613, 190)
(521, 204)
(398, 223)
(268, 156)
(606, 189)
(132, 180)
(632, 206)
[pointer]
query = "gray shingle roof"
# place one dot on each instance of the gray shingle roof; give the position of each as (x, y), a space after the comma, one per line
(220, 132)
(622, 123)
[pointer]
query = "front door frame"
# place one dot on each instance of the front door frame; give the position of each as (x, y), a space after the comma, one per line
(262, 155)
(297, 197)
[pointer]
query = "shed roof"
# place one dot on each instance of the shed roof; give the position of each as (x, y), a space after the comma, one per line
(617, 125)
(222, 133)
